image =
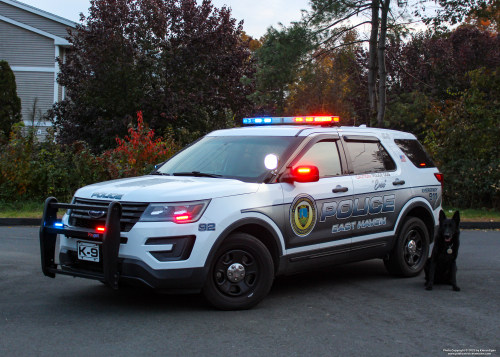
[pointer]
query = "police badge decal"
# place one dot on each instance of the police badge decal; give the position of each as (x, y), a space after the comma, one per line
(303, 215)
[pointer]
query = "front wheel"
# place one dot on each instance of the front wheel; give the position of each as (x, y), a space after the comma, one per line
(411, 249)
(241, 273)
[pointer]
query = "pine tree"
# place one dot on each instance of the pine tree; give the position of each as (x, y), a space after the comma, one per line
(10, 104)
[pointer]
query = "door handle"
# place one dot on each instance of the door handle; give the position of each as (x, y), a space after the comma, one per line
(340, 189)
(398, 182)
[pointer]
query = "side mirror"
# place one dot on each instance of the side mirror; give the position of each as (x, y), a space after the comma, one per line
(304, 173)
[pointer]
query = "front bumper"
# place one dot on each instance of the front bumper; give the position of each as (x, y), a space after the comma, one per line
(137, 273)
(112, 269)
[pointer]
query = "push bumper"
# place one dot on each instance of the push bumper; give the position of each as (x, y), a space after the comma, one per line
(111, 269)
(136, 272)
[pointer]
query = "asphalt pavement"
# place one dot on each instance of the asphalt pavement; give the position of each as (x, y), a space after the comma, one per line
(351, 310)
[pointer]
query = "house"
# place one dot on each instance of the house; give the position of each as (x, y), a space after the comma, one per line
(30, 41)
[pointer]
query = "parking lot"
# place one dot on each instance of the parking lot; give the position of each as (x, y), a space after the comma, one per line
(351, 310)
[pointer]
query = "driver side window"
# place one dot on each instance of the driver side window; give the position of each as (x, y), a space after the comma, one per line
(325, 156)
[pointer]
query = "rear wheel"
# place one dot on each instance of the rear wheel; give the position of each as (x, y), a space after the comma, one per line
(241, 273)
(411, 250)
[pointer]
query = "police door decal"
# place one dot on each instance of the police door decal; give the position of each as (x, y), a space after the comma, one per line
(358, 209)
(303, 215)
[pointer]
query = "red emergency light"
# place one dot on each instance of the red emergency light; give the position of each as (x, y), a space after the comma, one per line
(182, 218)
(305, 173)
(312, 120)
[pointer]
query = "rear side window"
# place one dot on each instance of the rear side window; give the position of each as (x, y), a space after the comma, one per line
(415, 152)
(369, 157)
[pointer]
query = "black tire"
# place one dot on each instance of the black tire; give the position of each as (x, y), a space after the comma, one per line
(239, 250)
(407, 259)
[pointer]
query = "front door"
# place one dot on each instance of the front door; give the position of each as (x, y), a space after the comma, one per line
(317, 229)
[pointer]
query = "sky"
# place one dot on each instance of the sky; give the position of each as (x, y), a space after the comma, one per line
(258, 15)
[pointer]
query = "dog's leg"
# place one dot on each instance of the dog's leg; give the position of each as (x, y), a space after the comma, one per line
(432, 270)
(454, 277)
(426, 271)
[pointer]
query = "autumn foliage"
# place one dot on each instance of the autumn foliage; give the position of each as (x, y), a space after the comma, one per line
(32, 170)
(180, 61)
(138, 152)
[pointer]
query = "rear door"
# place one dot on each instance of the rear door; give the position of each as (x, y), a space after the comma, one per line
(381, 188)
(316, 232)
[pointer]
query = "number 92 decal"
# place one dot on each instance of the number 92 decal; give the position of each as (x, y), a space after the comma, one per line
(206, 227)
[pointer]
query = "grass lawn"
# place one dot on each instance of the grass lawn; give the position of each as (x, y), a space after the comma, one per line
(473, 215)
(35, 210)
(23, 210)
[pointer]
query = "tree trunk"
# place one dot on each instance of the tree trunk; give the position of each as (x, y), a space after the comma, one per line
(372, 60)
(381, 64)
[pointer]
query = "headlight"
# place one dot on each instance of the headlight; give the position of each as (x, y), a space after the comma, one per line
(179, 212)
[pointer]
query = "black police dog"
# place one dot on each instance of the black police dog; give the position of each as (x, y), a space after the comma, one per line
(441, 268)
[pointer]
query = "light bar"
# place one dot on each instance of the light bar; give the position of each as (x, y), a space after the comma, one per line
(58, 225)
(292, 120)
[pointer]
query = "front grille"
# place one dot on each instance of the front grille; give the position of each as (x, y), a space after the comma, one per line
(131, 212)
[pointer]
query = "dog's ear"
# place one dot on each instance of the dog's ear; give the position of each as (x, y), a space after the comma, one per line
(456, 217)
(442, 216)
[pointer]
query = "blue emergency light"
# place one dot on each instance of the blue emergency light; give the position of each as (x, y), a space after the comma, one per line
(292, 120)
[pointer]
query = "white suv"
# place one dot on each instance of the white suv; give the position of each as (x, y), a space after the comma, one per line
(240, 206)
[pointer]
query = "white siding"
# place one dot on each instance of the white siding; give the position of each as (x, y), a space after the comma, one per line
(21, 47)
(40, 131)
(34, 20)
(31, 85)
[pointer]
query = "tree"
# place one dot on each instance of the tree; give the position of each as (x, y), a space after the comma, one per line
(431, 69)
(10, 104)
(327, 86)
(464, 139)
(322, 30)
(179, 62)
(454, 12)
(277, 66)
(438, 66)
(332, 18)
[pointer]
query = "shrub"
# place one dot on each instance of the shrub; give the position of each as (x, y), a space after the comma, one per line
(10, 104)
(138, 153)
(464, 139)
(32, 170)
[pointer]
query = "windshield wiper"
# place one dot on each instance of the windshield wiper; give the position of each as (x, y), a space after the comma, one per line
(195, 174)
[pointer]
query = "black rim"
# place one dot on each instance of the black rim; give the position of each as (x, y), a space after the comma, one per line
(242, 287)
(413, 250)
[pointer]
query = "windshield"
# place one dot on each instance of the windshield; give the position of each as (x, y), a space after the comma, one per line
(236, 157)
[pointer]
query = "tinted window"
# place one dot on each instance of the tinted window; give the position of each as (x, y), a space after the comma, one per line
(325, 156)
(369, 157)
(415, 152)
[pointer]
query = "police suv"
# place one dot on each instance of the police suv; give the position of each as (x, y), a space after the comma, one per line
(240, 206)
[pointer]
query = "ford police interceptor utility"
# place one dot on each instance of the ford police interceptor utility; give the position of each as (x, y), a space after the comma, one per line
(240, 206)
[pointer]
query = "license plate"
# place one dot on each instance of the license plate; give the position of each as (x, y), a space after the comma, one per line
(88, 251)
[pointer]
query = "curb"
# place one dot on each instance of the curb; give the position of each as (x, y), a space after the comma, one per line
(20, 221)
(36, 222)
(480, 225)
